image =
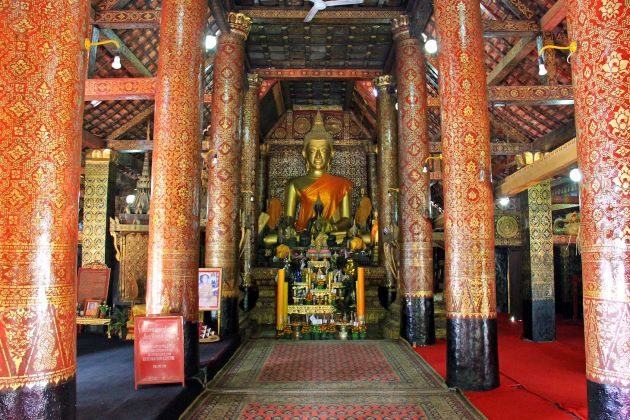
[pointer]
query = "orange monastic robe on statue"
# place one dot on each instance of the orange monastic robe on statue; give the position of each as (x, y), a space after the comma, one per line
(331, 190)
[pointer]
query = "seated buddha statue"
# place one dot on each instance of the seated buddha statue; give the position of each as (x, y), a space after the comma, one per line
(333, 191)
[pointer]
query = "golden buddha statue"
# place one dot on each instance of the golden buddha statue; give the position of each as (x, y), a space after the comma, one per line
(333, 191)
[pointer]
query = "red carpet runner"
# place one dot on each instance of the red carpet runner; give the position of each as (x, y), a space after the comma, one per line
(538, 380)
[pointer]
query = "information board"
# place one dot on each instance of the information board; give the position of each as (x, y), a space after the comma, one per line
(158, 350)
(93, 283)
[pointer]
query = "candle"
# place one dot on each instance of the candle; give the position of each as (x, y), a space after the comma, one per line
(361, 294)
(285, 300)
(279, 301)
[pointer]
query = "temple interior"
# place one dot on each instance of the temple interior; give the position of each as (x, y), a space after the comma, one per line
(314, 209)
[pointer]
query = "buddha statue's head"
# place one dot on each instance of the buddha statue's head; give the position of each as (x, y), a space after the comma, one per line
(318, 147)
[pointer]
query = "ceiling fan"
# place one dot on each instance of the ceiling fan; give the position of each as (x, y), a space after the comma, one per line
(321, 5)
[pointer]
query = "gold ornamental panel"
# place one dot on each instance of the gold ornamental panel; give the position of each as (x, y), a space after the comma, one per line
(507, 227)
(131, 243)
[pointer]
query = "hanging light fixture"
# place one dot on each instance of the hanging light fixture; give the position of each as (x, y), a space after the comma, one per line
(211, 42)
(431, 46)
(116, 63)
(504, 201)
(575, 174)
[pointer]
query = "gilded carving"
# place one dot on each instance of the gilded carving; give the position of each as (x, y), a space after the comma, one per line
(540, 241)
(601, 83)
(131, 243)
(98, 176)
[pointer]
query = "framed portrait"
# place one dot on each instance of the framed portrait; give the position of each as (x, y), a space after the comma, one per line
(91, 307)
(209, 289)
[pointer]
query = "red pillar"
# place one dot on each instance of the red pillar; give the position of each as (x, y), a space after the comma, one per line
(223, 225)
(472, 359)
(601, 80)
(42, 70)
(416, 229)
(172, 286)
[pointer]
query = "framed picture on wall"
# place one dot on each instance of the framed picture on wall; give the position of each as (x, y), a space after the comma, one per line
(209, 289)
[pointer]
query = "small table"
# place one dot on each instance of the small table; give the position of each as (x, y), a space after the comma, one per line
(88, 320)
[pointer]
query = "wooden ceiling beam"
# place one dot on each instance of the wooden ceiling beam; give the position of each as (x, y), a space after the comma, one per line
(553, 164)
(530, 95)
(496, 149)
(555, 138)
(509, 28)
(127, 19)
(137, 119)
(144, 88)
(556, 14)
(137, 67)
(305, 74)
(136, 88)
(524, 46)
(507, 130)
(361, 15)
(90, 141)
(517, 53)
(519, 8)
(114, 4)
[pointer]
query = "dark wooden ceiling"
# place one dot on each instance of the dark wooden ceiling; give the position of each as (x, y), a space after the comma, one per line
(280, 40)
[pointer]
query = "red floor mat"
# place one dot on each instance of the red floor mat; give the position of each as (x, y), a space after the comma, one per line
(538, 380)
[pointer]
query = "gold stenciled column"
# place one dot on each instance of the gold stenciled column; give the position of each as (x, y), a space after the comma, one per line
(222, 228)
(471, 325)
(261, 177)
(416, 229)
(249, 160)
(370, 151)
(173, 260)
(539, 306)
(42, 70)
(601, 82)
(98, 206)
(387, 168)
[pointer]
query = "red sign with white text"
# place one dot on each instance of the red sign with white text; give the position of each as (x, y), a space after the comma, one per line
(159, 350)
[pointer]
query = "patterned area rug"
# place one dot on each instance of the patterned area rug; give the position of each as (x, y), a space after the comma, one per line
(375, 379)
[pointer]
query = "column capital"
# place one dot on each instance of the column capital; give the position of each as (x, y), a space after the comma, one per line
(254, 80)
(240, 24)
(264, 149)
(401, 27)
(384, 81)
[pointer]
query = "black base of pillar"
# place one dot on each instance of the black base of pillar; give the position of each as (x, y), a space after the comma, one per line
(52, 401)
(472, 358)
(417, 324)
(607, 401)
(191, 348)
(539, 320)
(229, 317)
